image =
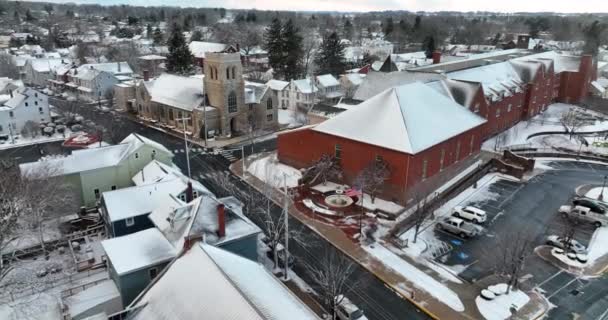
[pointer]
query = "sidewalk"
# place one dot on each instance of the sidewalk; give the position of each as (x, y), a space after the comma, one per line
(424, 301)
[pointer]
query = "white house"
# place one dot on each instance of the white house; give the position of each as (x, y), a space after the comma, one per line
(299, 94)
(24, 105)
(329, 87)
(277, 87)
(350, 82)
(39, 71)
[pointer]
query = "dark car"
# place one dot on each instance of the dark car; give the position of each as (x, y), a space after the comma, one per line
(591, 204)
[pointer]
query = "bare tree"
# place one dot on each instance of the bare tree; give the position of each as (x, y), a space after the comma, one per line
(326, 168)
(330, 276)
(309, 46)
(512, 251)
(50, 196)
(372, 178)
(11, 203)
(570, 226)
(571, 121)
(420, 213)
(8, 68)
(30, 129)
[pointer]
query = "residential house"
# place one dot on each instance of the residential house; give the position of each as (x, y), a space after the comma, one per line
(37, 72)
(329, 87)
(92, 81)
(7, 85)
(277, 87)
(137, 259)
(301, 94)
(350, 82)
(94, 171)
(211, 283)
(157, 185)
(23, 105)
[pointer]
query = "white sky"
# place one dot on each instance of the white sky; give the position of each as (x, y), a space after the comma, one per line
(377, 5)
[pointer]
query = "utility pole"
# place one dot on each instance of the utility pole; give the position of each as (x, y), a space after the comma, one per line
(286, 213)
(186, 145)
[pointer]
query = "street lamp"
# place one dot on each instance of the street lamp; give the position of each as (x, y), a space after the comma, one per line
(186, 144)
(601, 196)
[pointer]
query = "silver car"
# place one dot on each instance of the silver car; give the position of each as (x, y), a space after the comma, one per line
(559, 242)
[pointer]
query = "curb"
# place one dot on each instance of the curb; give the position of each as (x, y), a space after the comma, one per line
(391, 286)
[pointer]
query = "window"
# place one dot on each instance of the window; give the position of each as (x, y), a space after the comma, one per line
(441, 160)
(113, 187)
(171, 114)
(457, 151)
(227, 73)
(182, 197)
(129, 222)
(425, 164)
(232, 106)
(471, 144)
(153, 272)
(269, 117)
(233, 72)
(26, 104)
(338, 151)
(36, 95)
(509, 108)
(190, 121)
(11, 114)
(40, 109)
(153, 155)
(379, 158)
(179, 116)
(96, 192)
(35, 102)
(194, 194)
(136, 155)
(269, 104)
(497, 112)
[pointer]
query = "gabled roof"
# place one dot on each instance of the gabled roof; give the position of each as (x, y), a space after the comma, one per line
(200, 48)
(115, 68)
(254, 92)
(154, 172)
(46, 65)
(409, 118)
(376, 82)
(210, 283)
(497, 79)
(185, 93)
(327, 80)
(138, 250)
(19, 95)
(277, 84)
(305, 86)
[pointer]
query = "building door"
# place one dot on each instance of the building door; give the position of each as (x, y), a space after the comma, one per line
(232, 126)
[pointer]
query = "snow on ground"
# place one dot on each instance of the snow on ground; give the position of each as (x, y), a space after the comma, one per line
(289, 118)
(549, 120)
(419, 279)
(564, 258)
(595, 193)
(545, 163)
(271, 171)
(22, 141)
(597, 245)
(380, 204)
(498, 308)
(25, 236)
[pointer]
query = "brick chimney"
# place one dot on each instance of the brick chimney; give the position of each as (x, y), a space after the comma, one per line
(189, 193)
(146, 75)
(436, 57)
(118, 66)
(221, 220)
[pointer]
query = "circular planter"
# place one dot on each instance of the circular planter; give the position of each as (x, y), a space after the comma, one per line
(487, 294)
(571, 255)
(498, 289)
(582, 258)
(558, 251)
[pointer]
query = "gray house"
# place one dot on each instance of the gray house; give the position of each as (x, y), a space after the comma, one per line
(136, 259)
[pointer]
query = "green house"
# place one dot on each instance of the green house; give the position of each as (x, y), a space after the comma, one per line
(94, 171)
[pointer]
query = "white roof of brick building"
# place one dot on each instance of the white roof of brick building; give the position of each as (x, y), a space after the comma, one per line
(409, 118)
(210, 283)
(200, 48)
(185, 93)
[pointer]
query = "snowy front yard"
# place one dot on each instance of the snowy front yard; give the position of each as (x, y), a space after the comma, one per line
(549, 120)
(290, 118)
(500, 307)
(274, 173)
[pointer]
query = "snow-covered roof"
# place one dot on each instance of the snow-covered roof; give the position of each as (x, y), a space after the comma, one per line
(355, 78)
(474, 60)
(211, 283)
(327, 80)
(376, 82)
(497, 79)
(200, 218)
(185, 93)
(47, 65)
(138, 250)
(91, 159)
(561, 62)
(154, 172)
(19, 95)
(254, 92)
(305, 85)
(200, 48)
(84, 301)
(115, 68)
(277, 84)
(409, 118)
(152, 57)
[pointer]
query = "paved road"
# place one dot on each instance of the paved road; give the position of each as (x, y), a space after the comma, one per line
(531, 208)
(371, 294)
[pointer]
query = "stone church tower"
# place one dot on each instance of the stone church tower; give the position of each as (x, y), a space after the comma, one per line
(225, 89)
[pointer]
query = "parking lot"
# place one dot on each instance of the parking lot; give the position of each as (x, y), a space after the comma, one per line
(530, 207)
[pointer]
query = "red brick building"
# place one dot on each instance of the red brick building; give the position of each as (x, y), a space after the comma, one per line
(401, 125)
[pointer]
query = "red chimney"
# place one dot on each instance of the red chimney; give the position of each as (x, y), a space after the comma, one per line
(221, 220)
(436, 57)
(189, 193)
(146, 75)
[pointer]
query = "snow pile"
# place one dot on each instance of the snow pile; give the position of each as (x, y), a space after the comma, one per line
(379, 204)
(597, 245)
(499, 307)
(289, 118)
(420, 279)
(595, 193)
(271, 171)
(564, 258)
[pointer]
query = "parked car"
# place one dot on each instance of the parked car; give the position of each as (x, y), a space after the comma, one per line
(559, 242)
(459, 227)
(470, 213)
(584, 214)
(589, 203)
(346, 310)
(280, 254)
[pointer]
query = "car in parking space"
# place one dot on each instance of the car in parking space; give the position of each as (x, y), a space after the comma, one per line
(589, 203)
(560, 242)
(346, 310)
(470, 213)
(584, 214)
(459, 227)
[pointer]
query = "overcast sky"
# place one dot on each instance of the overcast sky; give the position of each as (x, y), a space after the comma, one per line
(377, 5)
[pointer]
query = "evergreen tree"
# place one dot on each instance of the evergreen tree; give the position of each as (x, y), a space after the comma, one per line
(428, 45)
(157, 37)
(28, 16)
(273, 43)
(149, 31)
(389, 26)
(292, 50)
(593, 34)
(330, 58)
(197, 35)
(348, 29)
(180, 59)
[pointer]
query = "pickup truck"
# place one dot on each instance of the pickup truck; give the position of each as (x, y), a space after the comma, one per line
(459, 227)
(584, 214)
